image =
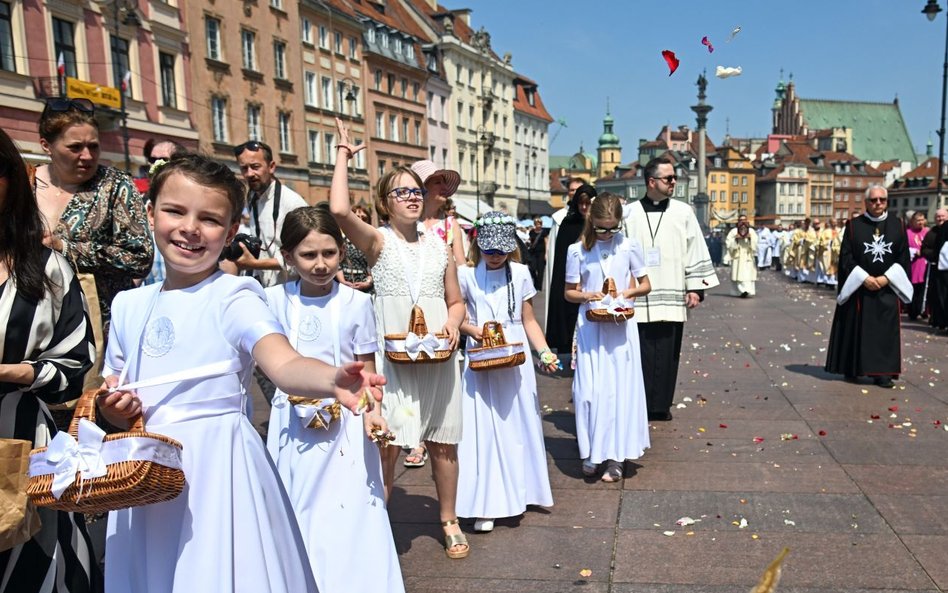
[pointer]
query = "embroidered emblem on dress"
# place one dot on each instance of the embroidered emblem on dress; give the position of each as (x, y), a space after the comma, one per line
(159, 337)
(878, 248)
(310, 328)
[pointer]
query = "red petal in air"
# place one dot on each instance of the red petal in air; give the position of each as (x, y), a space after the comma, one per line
(671, 60)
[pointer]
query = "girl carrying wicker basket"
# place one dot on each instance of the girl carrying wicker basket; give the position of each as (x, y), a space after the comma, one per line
(191, 344)
(415, 275)
(325, 456)
(608, 393)
(502, 456)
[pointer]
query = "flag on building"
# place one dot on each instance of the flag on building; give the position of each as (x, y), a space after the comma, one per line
(126, 81)
(61, 64)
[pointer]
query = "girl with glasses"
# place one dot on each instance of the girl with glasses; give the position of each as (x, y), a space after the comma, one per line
(410, 267)
(608, 391)
(502, 458)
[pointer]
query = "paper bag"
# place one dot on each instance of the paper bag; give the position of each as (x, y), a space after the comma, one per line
(19, 520)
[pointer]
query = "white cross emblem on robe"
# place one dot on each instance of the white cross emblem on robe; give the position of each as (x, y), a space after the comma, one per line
(878, 248)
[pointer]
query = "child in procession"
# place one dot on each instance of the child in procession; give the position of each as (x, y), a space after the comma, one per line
(194, 339)
(411, 268)
(503, 466)
(608, 392)
(331, 471)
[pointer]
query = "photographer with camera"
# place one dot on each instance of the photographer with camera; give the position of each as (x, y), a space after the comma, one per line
(269, 201)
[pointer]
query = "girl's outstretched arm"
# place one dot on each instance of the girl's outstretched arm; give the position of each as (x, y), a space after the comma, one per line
(299, 375)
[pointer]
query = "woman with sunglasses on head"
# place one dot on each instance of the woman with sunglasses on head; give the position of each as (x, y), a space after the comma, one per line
(94, 216)
(608, 391)
(47, 350)
(422, 403)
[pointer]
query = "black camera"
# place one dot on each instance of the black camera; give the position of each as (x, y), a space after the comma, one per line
(233, 251)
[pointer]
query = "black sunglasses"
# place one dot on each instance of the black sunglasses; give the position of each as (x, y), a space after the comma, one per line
(668, 178)
(603, 230)
(252, 146)
(60, 104)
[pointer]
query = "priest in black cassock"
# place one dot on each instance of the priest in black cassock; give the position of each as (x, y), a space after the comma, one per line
(873, 277)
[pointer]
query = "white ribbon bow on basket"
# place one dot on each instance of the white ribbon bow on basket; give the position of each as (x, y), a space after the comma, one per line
(615, 306)
(415, 344)
(70, 456)
(307, 412)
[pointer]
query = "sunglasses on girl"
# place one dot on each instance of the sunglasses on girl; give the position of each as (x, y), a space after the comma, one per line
(405, 194)
(493, 252)
(603, 231)
(60, 104)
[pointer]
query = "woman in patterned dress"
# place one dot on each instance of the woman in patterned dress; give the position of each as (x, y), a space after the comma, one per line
(45, 348)
(94, 215)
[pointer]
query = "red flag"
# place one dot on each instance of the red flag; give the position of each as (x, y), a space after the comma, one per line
(61, 64)
(126, 80)
(671, 60)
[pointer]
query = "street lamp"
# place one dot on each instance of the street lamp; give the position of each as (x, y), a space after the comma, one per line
(348, 91)
(532, 155)
(931, 11)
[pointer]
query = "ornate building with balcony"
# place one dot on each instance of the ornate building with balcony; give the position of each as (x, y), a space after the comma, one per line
(104, 46)
(531, 149)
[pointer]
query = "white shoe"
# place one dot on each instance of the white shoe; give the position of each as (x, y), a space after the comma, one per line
(483, 525)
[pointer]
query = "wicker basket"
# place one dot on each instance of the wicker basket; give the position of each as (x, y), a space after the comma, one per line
(496, 353)
(335, 410)
(127, 483)
(417, 326)
(603, 315)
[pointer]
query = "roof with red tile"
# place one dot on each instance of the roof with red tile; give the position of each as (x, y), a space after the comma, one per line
(521, 104)
(915, 179)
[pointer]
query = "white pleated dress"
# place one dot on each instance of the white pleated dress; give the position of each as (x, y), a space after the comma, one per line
(502, 461)
(422, 402)
(333, 476)
(608, 393)
(232, 529)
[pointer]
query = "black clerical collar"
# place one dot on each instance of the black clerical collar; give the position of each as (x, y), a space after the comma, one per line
(651, 206)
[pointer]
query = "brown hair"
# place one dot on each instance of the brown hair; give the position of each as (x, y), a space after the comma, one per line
(204, 172)
(385, 185)
(52, 124)
(474, 255)
(605, 205)
(300, 222)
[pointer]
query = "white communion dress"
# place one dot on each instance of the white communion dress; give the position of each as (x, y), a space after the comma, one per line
(333, 475)
(232, 529)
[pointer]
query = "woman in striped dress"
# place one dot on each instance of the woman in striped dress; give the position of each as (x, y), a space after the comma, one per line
(46, 345)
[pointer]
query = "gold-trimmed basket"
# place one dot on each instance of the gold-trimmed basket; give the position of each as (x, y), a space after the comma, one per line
(604, 315)
(418, 326)
(335, 410)
(496, 353)
(127, 484)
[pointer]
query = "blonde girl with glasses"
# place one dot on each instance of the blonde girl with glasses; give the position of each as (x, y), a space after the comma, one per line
(608, 392)
(422, 403)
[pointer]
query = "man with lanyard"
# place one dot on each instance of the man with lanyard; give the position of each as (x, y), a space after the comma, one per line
(269, 202)
(680, 270)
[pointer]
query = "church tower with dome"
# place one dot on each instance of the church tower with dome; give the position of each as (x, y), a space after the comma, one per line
(609, 151)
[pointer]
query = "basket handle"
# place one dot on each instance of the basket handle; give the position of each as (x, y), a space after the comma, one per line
(492, 334)
(85, 408)
(416, 323)
(609, 288)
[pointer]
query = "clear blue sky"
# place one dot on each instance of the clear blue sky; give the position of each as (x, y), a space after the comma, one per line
(582, 52)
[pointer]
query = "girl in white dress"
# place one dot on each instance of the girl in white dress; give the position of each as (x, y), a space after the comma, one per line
(608, 393)
(410, 267)
(190, 345)
(502, 459)
(333, 473)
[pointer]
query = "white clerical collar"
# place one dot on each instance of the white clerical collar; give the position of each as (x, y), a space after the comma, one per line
(874, 219)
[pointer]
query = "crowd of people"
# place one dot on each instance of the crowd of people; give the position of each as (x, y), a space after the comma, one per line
(212, 279)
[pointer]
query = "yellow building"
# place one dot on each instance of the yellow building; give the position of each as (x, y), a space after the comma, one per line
(731, 186)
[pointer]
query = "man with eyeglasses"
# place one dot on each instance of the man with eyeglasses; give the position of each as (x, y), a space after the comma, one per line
(679, 269)
(269, 201)
(873, 277)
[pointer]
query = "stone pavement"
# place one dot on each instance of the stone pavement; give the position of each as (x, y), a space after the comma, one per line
(853, 479)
